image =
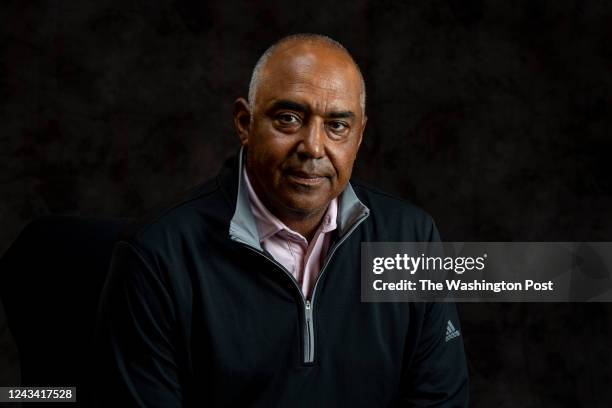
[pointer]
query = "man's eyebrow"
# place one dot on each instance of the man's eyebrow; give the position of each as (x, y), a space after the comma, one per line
(341, 115)
(290, 105)
(298, 107)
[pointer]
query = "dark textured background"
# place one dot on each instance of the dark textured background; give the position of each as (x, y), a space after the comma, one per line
(493, 116)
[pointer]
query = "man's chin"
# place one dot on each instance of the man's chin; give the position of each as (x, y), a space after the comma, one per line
(305, 206)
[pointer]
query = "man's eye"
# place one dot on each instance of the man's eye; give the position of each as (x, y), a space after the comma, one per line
(337, 126)
(288, 119)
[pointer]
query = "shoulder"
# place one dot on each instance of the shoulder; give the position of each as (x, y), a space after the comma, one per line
(183, 217)
(396, 215)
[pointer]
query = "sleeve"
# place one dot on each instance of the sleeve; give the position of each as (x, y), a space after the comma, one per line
(136, 364)
(437, 374)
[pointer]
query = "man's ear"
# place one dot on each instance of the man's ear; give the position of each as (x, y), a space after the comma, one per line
(242, 120)
(363, 125)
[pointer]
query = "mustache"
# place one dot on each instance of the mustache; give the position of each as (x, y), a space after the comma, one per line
(310, 168)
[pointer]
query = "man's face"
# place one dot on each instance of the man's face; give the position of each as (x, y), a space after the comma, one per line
(305, 130)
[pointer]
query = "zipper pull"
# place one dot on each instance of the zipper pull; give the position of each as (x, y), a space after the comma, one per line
(308, 315)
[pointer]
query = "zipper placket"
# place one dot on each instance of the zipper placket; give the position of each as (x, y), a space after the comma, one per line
(307, 305)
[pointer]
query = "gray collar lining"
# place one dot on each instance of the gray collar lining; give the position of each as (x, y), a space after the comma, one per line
(244, 228)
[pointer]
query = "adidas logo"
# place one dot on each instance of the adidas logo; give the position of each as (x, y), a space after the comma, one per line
(451, 332)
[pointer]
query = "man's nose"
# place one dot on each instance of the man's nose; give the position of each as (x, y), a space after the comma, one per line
(313, 140)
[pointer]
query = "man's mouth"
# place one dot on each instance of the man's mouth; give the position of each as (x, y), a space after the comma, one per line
(304, 178)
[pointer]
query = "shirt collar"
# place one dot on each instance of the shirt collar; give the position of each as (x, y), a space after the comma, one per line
(348, 210)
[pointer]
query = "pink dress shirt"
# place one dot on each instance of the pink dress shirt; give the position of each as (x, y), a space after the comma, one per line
(289, 248)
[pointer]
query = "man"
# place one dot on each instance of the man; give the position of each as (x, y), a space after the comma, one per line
(246, 292)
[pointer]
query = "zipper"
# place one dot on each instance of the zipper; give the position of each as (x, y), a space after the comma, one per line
(307, 305)
(308, 334)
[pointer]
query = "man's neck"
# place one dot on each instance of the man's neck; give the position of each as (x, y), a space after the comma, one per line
(304, 224)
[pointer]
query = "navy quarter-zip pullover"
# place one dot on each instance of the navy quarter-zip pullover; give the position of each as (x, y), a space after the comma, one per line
(195, 313)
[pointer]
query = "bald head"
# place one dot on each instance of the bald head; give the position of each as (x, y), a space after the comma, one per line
(308, 49)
